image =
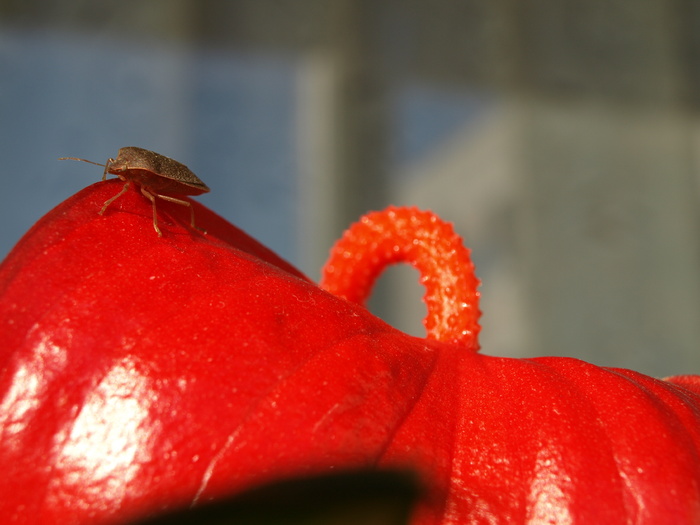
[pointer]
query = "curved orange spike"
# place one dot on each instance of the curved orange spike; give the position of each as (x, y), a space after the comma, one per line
(430, 245)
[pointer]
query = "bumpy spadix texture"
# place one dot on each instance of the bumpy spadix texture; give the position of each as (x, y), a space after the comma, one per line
(420, 238)
(140, 373)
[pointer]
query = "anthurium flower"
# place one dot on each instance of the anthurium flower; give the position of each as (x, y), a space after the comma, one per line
(141, 373)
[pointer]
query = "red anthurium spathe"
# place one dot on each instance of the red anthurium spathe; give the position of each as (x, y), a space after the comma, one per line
(140, 373)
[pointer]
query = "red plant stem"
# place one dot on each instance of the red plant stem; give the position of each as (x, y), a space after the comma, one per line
(420, 238)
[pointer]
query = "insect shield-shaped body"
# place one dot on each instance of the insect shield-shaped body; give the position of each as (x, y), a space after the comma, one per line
(157, 176)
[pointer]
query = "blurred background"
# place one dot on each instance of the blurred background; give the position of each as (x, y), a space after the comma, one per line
(560, 137)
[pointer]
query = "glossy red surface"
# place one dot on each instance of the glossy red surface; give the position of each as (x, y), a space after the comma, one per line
(140, 373)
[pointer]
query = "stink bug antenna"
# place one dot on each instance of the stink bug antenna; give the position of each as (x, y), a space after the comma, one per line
(104, 175)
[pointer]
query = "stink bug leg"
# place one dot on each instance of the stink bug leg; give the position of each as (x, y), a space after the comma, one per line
(111, 200)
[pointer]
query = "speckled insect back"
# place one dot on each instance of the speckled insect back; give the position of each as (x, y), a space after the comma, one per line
(155, 174)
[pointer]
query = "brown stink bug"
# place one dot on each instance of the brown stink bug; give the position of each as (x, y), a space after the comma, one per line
(157, 176)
